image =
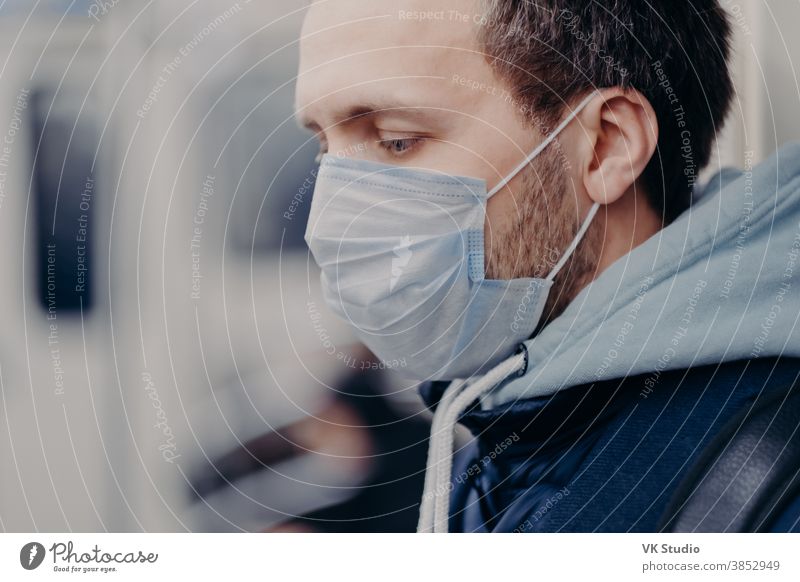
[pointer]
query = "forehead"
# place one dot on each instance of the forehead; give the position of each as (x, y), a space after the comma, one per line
(381, 22)
(356, 48)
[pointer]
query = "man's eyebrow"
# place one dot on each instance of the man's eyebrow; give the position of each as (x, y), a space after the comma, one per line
(374, 109)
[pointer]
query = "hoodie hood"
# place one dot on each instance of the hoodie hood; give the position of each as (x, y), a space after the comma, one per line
(721, 283)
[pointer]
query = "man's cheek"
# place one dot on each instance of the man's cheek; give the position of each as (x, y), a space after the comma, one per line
(500, 214)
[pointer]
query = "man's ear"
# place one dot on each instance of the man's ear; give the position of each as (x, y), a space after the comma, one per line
(619, 134)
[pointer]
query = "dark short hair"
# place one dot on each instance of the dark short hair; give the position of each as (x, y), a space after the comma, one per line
(675, 53)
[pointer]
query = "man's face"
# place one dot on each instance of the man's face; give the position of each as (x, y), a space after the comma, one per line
(406, 83)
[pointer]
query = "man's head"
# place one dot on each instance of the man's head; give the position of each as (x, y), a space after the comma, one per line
(470, 87)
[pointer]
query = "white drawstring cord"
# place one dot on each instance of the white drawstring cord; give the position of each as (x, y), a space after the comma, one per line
(465, 398)
(435, 507)
(425, 524)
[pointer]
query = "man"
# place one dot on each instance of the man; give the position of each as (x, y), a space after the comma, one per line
(508, 195)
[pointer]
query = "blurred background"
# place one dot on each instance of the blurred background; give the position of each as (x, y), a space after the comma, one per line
(166, 361)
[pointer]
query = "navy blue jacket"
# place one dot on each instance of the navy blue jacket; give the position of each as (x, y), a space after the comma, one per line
(600, 457)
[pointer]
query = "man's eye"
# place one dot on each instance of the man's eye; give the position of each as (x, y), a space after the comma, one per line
(399, 146)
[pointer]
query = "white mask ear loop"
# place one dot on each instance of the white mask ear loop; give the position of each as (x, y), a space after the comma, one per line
(567, 120)
(575, 242)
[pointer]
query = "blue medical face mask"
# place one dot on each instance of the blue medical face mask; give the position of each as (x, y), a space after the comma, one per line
(402, 259)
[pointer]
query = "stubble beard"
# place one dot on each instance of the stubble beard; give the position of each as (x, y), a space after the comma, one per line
(545, 223)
